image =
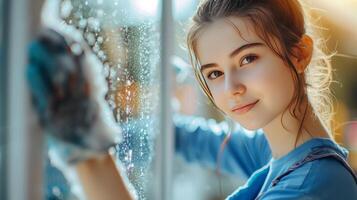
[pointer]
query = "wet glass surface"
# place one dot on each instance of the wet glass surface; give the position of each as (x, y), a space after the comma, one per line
(125, 36)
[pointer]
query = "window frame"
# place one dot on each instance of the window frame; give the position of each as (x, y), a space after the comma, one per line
(164, 149)
(3, 99)
(23, 142)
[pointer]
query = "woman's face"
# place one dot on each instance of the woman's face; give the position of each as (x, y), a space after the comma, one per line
(248, 81)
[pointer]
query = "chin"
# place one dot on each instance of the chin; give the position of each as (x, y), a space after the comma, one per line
(250, 125)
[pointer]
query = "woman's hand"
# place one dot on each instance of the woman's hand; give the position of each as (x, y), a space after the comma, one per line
(69, 96)
(68, 92)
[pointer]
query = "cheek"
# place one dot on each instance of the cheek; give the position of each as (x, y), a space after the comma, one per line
(217, 92)
(276, 85)
(219, 97)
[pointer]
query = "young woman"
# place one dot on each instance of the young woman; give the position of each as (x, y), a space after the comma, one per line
(257, 62)
(260, 65)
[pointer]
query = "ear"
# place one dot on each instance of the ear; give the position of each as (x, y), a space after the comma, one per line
(302, 53)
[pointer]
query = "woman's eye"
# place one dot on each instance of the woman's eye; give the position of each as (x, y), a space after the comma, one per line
(214, 74)
(248, 59)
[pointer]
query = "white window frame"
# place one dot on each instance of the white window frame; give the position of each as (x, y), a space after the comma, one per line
(164, 151)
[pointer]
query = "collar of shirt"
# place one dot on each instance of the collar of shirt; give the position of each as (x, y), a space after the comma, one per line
(303, 150)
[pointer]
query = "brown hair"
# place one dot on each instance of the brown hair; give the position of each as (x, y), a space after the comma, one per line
(280, 23)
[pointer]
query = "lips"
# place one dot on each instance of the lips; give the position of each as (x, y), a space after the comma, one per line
(245, 108)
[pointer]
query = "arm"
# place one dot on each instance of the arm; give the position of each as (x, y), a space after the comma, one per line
(101, 180)
(199, 140)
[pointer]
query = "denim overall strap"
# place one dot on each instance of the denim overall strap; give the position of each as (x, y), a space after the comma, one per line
(317, 153)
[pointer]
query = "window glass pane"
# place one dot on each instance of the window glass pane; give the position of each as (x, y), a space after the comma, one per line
(125, 37)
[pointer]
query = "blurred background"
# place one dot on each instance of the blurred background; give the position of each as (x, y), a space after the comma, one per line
(128, 37)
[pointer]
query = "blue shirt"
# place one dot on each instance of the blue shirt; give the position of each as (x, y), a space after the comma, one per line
(249, 154)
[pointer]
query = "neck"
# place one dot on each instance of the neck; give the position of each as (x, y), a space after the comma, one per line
(283, 140)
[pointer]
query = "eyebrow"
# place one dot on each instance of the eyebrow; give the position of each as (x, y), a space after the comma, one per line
(235, 52)
(246, 46)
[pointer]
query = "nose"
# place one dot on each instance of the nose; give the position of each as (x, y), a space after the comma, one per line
(233, 86)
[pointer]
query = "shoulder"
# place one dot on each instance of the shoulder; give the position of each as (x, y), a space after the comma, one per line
(322, 179)
(328, 177)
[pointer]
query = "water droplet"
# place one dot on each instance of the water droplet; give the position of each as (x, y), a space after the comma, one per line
(100, 39)
(90, 38)
(82, 23)
(93, 24)
(96, 48)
